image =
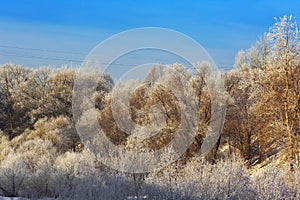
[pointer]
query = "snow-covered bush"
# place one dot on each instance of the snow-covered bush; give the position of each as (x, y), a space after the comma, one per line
(201, 180)
(276, 183)
(42, 182)
(14, 173)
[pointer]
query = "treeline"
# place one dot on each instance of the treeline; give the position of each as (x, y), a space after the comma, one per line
(262, 117)
(262, 123)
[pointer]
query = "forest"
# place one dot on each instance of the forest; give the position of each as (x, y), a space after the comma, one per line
(257, 155)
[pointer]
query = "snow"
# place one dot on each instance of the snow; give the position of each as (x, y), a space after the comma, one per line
(20, 198)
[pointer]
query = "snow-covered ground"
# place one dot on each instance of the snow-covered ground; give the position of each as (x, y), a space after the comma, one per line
(20, 198)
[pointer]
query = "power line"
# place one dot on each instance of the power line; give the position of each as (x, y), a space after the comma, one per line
(41, 57)
(37, 49)
(67, 59)
(5, 53)
(60, 59)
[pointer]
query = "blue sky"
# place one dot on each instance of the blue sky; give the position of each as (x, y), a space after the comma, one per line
(35, 32)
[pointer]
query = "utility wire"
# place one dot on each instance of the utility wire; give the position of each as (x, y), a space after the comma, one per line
(59, 59)
(37, 49)
(40, 57)
(5, 53)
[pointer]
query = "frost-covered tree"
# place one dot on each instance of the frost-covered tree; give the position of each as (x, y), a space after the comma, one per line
(43, 180)
(71, 167)
(13, 117)
(275, 90)
(281, 82)
(254, 57)
(34, 94)
(240, 131)
(284, 55)
(14, 174)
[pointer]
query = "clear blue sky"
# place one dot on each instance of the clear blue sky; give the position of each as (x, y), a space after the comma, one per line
(41, 32)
